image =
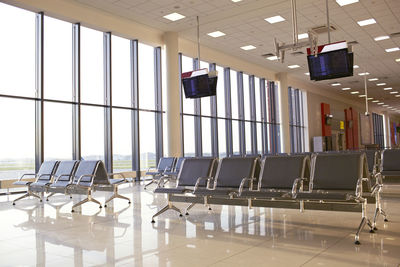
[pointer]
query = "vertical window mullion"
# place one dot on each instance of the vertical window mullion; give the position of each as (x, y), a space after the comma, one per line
(76, 94)
(197, 119)
(108, 154)
(253, 115)
(240, 96)
(135, 107)
(39, 128)
(263, 104)
(228, 112)
(214, 121)
(181, 105)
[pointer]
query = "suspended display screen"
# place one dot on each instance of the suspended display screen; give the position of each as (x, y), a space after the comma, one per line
(199, 83)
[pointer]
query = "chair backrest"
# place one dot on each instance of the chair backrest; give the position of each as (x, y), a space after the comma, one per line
(194, 168)
(47, 169)
(231, 171)
(101, 175)
(280, 171)
(166, 163)
(178, 164)
(336, 171)
(67, 169)
(371, 159)
(390, 160)
(86, 167)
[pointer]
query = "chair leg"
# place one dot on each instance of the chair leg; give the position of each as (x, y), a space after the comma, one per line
(88, 199)
(364, 220)
(28, 194)
(79, 204)
(189, 207)
(152, 181)
(360, 227)
(51, 194)
(116, 195)
(167, 207)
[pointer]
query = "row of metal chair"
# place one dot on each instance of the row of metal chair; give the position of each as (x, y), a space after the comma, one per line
(72, 177)
(336, 182)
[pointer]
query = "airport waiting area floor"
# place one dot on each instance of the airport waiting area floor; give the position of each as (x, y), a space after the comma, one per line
(36, 234)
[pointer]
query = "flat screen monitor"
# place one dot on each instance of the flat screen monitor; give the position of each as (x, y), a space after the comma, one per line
(331, 65)
(200, 86)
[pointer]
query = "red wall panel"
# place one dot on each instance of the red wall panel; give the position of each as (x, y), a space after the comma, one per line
(325, 110)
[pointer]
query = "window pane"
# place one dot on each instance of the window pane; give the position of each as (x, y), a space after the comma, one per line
(165, 134)
(147, 129)
(57, 131)
(234, 95)
(248, 137)
(205, 101)
(221, 138)
(92, 128)
(57, 59)
(188, 140)
(258, 98)
(187, 103)
(259, 138)
(122, 141)
(235, 137)
(146, 77)
(92, 81)
(17, 51)
(246, 97)
(220, 92)
(17, 140)
(121, 72)
(206, 135)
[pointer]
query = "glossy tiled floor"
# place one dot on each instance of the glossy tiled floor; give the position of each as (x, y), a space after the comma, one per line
(34, 234)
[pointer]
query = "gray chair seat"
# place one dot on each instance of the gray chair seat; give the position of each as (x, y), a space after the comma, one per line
(263, 194)
(173, 190)
(153, 173)
(215, 192)
(22, 183)
(60, 184)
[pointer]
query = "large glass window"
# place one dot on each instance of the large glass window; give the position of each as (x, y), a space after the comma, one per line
(146, 77)
(221, 138)
(57, 131)
(234, 95)
(17, 137)
(296, 120)
(246, 97)
(121, 72)
(188, 141)
(188, 103)
(235, 137)
(17, 51)
(92, 131)
(92, 67)
(206, 136)
(57, 59)
(220, 92)
(147, 140)
(122, 141)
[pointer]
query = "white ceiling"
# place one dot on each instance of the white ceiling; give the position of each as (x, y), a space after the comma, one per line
(244, 24)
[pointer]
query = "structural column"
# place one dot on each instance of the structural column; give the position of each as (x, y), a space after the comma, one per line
(172, 94)
(284, 110)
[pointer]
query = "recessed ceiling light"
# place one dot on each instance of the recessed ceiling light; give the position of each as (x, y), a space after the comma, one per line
(293, 66)
(307, 73)
(235, 1)
(375, 101)
(363, 73)
(275, 19)
(370, 98)
(397, 95)
(346, 88)
(394, 92)
(272, 58)
(380, 84)
(303, 36)
(387, 88)
(336, 84)
(392, 49)
(248, 47)
(361, 96)
(385, 105)
(346, 2)
(373, 79)
(381, 38)
(397, 59)
(216, 34)
(356, 66)
(174, 16)
(366, 22)
(380, 103)
(354, 92)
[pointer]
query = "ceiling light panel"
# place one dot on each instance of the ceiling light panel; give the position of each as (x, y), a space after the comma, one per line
(380, 84)
(373, 79)
(275, 19)
(375, 101)
(346, 88)
(354, 92)
(356, 66)
(216, 34)
(174, 16)
(381, 38)
(293, 66)
(303, 36)
(363, 73)
(248, 47)
(389, 50)
(336, 84)
(272, 58)
(346, 2)
(393, 92)
(366, 22)
(387, 88)
(397, 59)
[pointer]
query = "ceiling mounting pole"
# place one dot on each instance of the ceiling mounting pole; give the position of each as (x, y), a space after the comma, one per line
(327, 22)
(198, 42)
(294, 22)
(366, 94)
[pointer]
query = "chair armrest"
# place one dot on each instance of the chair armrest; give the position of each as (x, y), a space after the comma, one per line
(359, 188)
(244, 180)
(44, 175)
(20, 179)
(208, 179)
(162, 180)
(85, 175)
(295, 187)
(61, 175)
